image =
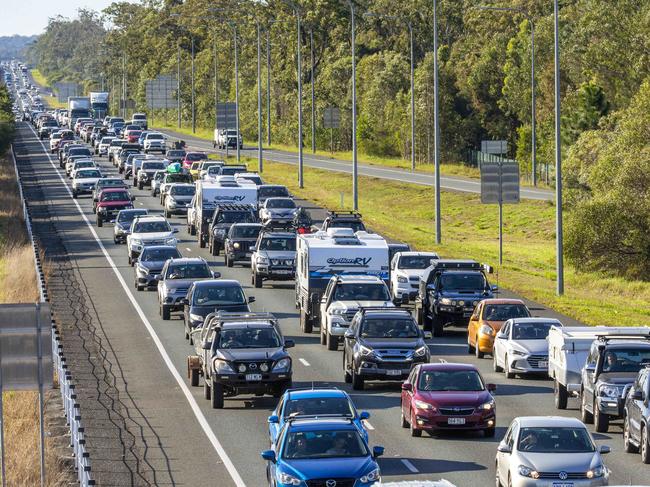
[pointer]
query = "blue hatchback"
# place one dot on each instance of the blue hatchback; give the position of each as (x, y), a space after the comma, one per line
(322, 452)
(315, 403)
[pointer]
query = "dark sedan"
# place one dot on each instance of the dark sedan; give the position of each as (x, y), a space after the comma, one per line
(151, 262)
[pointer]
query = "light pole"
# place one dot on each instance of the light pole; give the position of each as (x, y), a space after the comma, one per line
(193, 92)
(216, 79)
(234, 29)
(355, 188)
(533, 115)
(313, 97)
(558, 156)
(178, 85)
(268, 86)
(436, 125)
(297, 10)
(260, 161)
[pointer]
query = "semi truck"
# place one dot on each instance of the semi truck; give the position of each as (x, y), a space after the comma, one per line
(99, 104)
(78, 107)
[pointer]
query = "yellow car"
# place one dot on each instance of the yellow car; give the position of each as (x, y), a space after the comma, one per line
(486, 321)
(195, 169)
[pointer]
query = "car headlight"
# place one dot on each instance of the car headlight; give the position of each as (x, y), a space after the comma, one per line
(486, 330)
(597, 472)
(261, 260)
(373, 476)
(365, 351)
(488, 406)
(337, 311)
(219, 231)
(194, 317)
(285, 478)
(236, 245)
(102, 209)
(608, 390)
(420, 352)
(171, 241)
(446, 301)
(282, 365)
(143, 269)
(402, 280)
(525, 471)
(423, 405)
(222, 367)
(136, 241)
(517, 352)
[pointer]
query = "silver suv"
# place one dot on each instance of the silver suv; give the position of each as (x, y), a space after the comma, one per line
(148, 230)
(175, 279)
(274, 257)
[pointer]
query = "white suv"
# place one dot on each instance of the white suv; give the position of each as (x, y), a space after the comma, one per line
(148, 230)
(154, 141)
(406, 268)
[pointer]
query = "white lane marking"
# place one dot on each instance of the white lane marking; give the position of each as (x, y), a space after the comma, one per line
(203, 422)
(410, 466)
(304, 362)
(368, 425)
(140, 203)
(188, 249)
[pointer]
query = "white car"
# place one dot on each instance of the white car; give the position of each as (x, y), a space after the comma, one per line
(179, 197)
(252, 177)
(550, 451)
(278, 209)
(72, 160)
(406, 268)
(148, 230)
(84, 181)
(521, 346)
(154, 142)
(81, 164)
(102, 147)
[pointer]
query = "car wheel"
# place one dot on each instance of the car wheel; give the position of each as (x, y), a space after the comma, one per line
(477, 349)
(497, 480)
(601, 420)
(229, 261)
(100, 221)
(217, 249)
(415, 432)
(207, 390)
(194, 377)
(346, 372)
(165, 313)
(74, 194)
(438, 327)
(645, 449)
(506, 366)
(257, 282)
(627, 444)
(403, 421)
(561, 395)
(495, 364)
(470, 348)
(585, 415)
(323, 338)
(168, 214)
(332, 342)
(217, 395)
(490, 432)
(358, 383)
(138, 287)
(305, 322)
(115, 240)
(140, 185)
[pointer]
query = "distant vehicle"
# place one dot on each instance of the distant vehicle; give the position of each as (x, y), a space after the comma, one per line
(78, 107)
(148, 230)
(178, 199)
(277, 209)
(154, 142)
(84, 181)
(141, 120)
(227, 138)
(174, 282)
(343, 219)
(238, 242)
(150, 264)
(406, 268)
(487, 319)
(637, 416)
(103, 184)
(123, 222)
(273, 257)
(99, 103)
(110, 202)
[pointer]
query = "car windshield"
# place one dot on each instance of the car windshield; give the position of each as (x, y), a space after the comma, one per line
(195, 166)
(158, 255)
(280, 203)
(249, 337)
(235, 217)
(355, 225)
(457, 281)
(105, 183)
(80, 164)
(630, 359)
(129, 216)
(272, 192)
(231, 171)
(450, 380)
(183, 190)
(361, 292)
(415, 262)
(218, 295)
(241, 231)
(88, 174)
(503, 312)
(189, 271)
(152, 227)
(79, 152)
(175, 153)
(153, 166)
(134, 133)
(324, 444)
(116, 196)
(178, 178)
(207, 165)
(106, 140)
(318, 406)
(389, 328)
(555, 440)
(279, 244)
(155, 136)
(531, 331)
(196, 156)
(254, 179)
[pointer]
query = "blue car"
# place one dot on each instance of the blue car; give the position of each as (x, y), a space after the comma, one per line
(142, 136)
(322, 452)
(315, 403)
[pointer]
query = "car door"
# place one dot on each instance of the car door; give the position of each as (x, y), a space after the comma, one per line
(503, 458)
(407, 395)
(472, 327)
(325, 302)
(501, 343)
(274, 428)
(635, 406)
(348, 345)
(587, 377)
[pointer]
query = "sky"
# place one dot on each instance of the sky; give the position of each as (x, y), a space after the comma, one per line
(28, 17)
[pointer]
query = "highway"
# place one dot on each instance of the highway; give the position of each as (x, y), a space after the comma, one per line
(450, 183)
(185, 442)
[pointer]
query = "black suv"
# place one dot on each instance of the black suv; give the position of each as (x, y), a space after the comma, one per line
(382, 344)
(612, 365)
(637, 416)
(223, 218)
(240, 353)
(344, 219)
(237, 246)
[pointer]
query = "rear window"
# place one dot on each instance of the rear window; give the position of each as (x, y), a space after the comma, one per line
(196, 156)
(88, 174)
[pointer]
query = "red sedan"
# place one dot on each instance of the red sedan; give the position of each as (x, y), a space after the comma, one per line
(443, 396)
(191, 157)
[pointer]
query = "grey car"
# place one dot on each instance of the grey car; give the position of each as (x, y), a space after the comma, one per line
(550, 451)
(283, 209)
(150, 264)
(123, 223)
(179, 197)
(156, 181)
(274, 257)
(175, 279)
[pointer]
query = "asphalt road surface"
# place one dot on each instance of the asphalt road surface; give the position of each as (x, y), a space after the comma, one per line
(196, 445)
(452, 183)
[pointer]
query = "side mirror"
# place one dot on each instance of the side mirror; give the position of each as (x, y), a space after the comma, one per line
(407, 386)
(273, 419)
(604, 449)
(363, 415)
(268, 455)
(175, 230)
(289, 343)
(206, 345)
(494, 287)
(377, 451)
(157, 277)
(491, 387)
(184, 301)
(251, 299)
(590, 367)
(132, 198)
(637, 395)
(252, 249)
(504, 448)
(573, 388)
(349, 335)
(216, 274)
(428, 335)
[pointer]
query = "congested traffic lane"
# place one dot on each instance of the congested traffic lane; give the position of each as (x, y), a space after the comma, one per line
(466, 459)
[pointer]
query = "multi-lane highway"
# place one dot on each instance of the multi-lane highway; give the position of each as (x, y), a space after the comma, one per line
(181, 440)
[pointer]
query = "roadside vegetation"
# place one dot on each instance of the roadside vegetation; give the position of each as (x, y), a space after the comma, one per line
(50, 101)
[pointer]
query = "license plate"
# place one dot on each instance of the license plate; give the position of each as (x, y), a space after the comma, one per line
(393, 372)
(282, 272)
(542, 364)
(467, 314)
(247, 254)
(456, 421)
(562, 484)
(254, 377)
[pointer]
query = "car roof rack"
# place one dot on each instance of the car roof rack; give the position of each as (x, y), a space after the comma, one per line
(234, 206)
(222, 317)
(390, 309)
(349, 419)
(344, 214)
(278, 225)
(622, 336)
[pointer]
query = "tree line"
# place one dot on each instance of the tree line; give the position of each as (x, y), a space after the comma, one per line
(484, 78)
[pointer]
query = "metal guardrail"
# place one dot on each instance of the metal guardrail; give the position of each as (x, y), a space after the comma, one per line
(71, 407)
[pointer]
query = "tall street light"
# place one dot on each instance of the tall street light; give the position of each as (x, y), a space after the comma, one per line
(409, 24)
(436, 124)
(233, 25)
(313, 97)
(193, 92)
(355, 188)
(558, 157)
(260, 160)
(178, 84)
(297, 10)
(533, 115)
(268, 86)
